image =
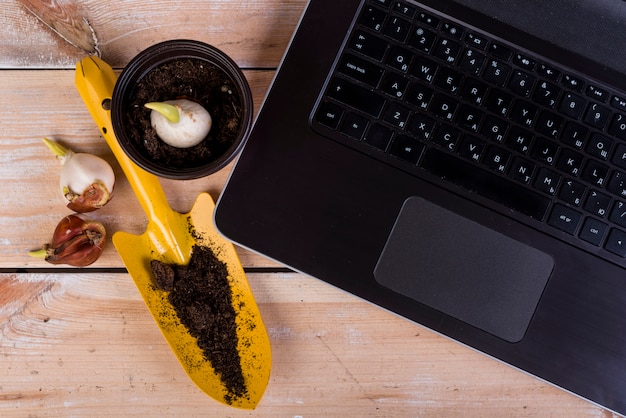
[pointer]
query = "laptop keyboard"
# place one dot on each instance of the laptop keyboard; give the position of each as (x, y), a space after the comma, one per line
(427, 94)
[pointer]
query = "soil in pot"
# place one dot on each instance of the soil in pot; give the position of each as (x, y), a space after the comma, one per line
(202, 298)
(193, 79)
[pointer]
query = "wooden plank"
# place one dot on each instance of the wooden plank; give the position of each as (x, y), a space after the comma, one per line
(85, 345)
(46, 103)
(254, 33)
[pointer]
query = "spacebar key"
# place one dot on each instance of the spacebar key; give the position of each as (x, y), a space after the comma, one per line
(485, 183)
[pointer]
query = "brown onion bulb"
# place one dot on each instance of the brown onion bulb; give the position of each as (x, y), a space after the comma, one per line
(76, 241)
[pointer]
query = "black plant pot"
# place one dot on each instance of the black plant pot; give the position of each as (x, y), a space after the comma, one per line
(221, 88)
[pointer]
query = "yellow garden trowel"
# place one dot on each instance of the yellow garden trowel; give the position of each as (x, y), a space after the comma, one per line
(169, 238)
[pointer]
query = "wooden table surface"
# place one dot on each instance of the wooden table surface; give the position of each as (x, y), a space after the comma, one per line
(80, 342)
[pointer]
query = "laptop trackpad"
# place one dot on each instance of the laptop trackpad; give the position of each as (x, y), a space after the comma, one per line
(463, 269)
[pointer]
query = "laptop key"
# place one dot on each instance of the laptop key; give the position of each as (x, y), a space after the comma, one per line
(453, 30)
(399, 58)
(373, 18)
(354, 126)
(446, 137)
(356, 97)
(422, 39)
(497, 159)
(574, 83)
(572, 105)
(565, 219)
(549, 72)
(360, 70)
(570, 162)
(524, 61)
(618, 126)
(544, 150)
(598, 93)
(449, 80)
(407, 148)
(572, 192)
(397, 115)
(597, 116)
(477, 41)
(546, 94)
(472, 61)
(500, 51)
(447, 50)
(547, 181)
(422, 126)
(368, 45)
(495, 129)
(469, 177)
(472, 148)
(329, 115)
(618, 214)
(598, 203)
(522, 170)
(522, 83)
(593, 231)
(600, 146)
(496, 72)
(424, 69)
(618, 102)
(379, 137)
(428, 19)
(499, 102)
(420, 96)
(616, 242)
(619, 158)
(405, 9)
(394, 85)
(595, 173)
(474, 91)
(398, 29)
(574, 135)
(549, 124)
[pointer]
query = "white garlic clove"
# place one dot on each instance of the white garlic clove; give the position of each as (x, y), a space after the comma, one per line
(190, 128)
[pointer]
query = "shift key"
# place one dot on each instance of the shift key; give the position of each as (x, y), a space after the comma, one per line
(357, 97)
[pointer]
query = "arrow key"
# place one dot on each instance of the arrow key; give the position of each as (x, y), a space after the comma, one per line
(565, 219)
(616, 242)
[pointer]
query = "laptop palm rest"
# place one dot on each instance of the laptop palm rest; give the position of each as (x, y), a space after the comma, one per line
(463, 269)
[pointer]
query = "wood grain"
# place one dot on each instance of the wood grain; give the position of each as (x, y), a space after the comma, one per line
(46, 103)
(253, 33)
(85, 345)
(66, 18)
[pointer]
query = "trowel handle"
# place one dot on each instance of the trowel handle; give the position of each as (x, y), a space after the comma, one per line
(95, 81)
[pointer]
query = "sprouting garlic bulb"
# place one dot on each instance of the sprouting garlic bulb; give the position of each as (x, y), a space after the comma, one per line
(86, 181)
(180, 123)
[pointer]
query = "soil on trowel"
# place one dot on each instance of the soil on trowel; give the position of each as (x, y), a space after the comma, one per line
(195, 80)
(202, 298)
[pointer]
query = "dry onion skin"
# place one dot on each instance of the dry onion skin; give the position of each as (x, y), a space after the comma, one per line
(77, 241)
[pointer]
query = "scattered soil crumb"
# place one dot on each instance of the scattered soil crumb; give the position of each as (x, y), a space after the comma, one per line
(202, 298)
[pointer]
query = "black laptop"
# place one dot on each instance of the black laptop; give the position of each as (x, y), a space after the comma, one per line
(460, 163)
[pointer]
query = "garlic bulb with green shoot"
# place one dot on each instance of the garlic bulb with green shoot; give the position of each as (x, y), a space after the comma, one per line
(87, 181)
(180, 123)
